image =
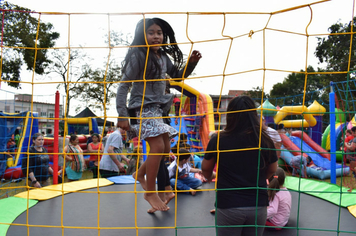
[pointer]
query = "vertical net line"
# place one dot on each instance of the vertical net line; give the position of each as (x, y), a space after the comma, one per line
(32, 118)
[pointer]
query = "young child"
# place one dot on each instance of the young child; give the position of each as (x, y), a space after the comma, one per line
(184, 181)
(299, 164)
(144, 71)
(348, 139)
(280, 201)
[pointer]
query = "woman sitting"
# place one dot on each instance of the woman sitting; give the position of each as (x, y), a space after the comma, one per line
(36, 165)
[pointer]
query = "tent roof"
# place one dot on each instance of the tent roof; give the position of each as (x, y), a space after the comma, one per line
(89, 113)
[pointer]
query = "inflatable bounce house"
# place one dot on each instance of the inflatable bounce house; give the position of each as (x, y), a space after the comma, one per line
(198, 117)
(9, 122)
(10, 168)
(299, 142)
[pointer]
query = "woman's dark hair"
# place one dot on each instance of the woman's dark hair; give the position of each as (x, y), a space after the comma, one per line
(96, 135)
(275, 183)
(36, 135)
(242, 118)
(171, 48)
(73, 137)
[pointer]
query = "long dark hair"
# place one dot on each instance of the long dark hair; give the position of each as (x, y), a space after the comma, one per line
(275, 183)
(171, 48)
(242, 117)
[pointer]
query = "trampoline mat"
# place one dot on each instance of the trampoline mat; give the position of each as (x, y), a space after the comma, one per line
(192, 216)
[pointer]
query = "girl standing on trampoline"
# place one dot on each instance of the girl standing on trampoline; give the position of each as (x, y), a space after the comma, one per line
(154, 40)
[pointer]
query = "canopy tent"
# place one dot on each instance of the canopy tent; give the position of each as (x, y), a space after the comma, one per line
(89, 113)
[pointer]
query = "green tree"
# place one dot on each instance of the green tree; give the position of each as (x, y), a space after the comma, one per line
(20, 39)
(71, 69)
(291, 90)
(334, 50)
(100, 84)
(101, 87)
(256, 94)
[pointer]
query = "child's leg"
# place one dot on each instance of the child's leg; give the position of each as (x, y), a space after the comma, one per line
(192, 182)
(163, 176)
(162, 180)
(151, 169)
(169, 195)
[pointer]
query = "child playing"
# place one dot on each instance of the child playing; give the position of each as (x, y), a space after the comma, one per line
(184, 181)
(154, 40)
(280, 201)
(348, 139)
(299, 164)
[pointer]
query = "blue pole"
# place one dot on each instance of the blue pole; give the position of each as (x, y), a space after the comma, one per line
(144, 150)
(332, 135)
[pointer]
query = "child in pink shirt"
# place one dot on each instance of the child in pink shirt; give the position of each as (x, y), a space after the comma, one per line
(280, 201)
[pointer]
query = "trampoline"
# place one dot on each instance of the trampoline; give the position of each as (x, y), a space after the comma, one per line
(116, 215)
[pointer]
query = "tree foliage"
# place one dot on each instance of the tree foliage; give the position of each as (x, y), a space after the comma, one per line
(256, 94)
(100, 89)
(335, 51)
(71, 68)
(291, 90)
(20, 40)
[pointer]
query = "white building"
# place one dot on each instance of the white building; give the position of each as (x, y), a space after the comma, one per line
(23, 102)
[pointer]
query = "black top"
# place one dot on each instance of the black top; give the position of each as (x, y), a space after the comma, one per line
(38, 164)
(239, 169)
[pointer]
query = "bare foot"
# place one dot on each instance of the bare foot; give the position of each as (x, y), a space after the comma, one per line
(151, 211)
(212, 211)
(193, 192)
(162, 196)
(155, 202)
(140, 179)
(169, 197)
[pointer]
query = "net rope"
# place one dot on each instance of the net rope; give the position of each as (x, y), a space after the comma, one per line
(219, 113)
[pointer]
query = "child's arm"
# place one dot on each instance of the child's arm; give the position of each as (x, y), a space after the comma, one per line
(113, 157)
(121, 100)
(207, 167)
(195, 170)
(192, 62)
(273, 207)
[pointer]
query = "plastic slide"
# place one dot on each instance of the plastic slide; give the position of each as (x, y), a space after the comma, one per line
(314, 171)
(321, 169)
(316, 157)
(311, 143)
(289, 145)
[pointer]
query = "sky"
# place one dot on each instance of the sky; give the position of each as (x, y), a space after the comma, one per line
(231, 59)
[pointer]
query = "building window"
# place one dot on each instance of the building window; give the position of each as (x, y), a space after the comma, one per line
(43, 114)
(17, 111)
(51, 115)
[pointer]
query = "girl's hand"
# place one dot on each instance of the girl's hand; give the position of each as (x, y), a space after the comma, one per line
(123, 125)
(195, 57)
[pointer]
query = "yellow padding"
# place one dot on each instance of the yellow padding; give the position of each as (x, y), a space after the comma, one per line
(52, 191)
(352, 210)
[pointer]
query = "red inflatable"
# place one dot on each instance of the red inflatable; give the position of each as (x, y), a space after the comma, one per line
(290, 146)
